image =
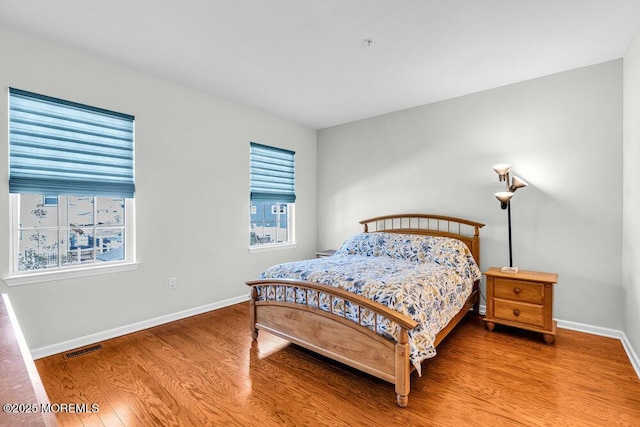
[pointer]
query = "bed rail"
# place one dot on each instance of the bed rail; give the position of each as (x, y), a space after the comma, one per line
(333, 292)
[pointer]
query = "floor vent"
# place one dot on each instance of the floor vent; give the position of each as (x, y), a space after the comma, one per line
(83, 351)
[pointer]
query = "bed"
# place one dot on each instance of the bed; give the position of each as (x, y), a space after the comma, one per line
(383, 302)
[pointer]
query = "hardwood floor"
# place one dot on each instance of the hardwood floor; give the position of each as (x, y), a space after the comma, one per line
(205, 370)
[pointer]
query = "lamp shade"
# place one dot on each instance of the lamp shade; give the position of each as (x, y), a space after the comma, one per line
(504, 196)
(502, 169)
(517, 183)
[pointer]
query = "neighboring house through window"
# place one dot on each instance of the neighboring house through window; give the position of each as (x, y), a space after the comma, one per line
(272, 197)
(71, 179)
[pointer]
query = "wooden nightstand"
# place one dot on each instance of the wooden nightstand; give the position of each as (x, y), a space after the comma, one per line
(322, 254)
(523, 300)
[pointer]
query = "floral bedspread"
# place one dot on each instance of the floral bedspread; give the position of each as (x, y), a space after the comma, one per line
(426, 278)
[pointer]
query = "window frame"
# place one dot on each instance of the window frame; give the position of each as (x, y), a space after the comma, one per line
(291, 229)
(17, 277)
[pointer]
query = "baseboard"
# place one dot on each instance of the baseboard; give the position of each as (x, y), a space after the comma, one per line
(61, 347)
(590, 329)
(633, 356)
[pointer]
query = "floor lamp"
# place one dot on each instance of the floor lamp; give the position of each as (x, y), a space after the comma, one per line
(512, 184)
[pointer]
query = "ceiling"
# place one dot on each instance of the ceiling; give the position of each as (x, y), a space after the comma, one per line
(307, 60)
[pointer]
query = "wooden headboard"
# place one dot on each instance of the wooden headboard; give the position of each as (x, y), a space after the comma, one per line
(430, 225)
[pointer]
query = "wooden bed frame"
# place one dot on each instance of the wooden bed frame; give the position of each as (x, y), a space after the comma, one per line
(333, 335)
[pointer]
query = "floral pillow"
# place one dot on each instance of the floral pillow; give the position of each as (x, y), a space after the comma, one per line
(443, 251)
(366, 244)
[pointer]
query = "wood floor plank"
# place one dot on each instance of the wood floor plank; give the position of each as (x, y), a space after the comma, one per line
(74, 384)
(206, 370)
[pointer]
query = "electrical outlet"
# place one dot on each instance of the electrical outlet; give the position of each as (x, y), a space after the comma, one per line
(173, 283)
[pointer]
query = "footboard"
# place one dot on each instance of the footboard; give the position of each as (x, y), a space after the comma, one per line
(344, 330)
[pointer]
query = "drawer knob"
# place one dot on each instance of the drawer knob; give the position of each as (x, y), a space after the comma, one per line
(516, 290)
(516, 312)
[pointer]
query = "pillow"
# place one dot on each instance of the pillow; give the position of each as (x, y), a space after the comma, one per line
(443, 251)
(366, 244)
(403, 246)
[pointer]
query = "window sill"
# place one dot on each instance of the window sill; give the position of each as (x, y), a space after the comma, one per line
(271, 248)
(50, 276)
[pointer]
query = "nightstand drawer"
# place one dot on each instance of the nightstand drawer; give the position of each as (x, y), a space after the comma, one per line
(518, 290)
(519, 312)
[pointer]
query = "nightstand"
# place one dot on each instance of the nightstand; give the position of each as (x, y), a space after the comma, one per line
(522, 300)
(322, 254)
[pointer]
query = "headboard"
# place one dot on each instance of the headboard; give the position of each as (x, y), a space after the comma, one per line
(431, 225)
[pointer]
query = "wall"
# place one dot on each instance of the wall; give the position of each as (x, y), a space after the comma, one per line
(192, 189)
(562, 133)
(631, 192)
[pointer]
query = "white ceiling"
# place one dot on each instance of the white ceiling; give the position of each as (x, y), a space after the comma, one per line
(306, 60)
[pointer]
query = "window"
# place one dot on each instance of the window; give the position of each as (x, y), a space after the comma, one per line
(76, 230)
(71, 179)
(272, 196)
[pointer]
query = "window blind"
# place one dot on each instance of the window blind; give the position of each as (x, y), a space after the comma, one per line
(62, 147)
(272, 174)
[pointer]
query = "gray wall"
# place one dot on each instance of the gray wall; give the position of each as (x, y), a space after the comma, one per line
(562, 133)
(631, 204)
(192, 198)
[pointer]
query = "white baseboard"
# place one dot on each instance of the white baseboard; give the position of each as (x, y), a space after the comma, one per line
(61, 347)
(590, 329)
(633, 356)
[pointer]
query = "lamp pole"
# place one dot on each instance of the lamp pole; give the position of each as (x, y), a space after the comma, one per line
(509, 222)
